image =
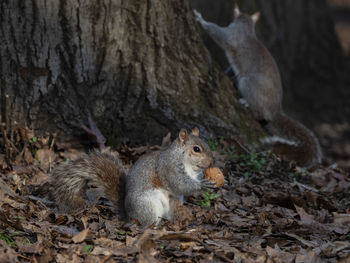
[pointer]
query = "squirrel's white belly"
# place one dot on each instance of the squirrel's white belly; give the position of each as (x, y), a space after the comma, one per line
(160, 203)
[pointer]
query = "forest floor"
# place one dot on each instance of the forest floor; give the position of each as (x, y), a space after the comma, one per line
(269, 211)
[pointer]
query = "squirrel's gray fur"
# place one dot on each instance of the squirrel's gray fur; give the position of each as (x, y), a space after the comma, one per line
(148, 188)
(259, 82)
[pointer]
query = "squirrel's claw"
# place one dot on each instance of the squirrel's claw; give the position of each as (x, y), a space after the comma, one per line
(197, 15)
(207, 184)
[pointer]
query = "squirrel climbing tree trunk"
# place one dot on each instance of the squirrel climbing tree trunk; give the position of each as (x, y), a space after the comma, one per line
(301, 37)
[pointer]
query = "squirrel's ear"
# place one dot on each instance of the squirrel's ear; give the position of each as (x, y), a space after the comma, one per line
(236, 11)
(183, 136)
(195, 131)
(255, 17)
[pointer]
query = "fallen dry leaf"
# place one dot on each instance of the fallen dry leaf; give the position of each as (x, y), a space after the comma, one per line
(81, 236)
(46, 158)
(278, 255)
(341, 218)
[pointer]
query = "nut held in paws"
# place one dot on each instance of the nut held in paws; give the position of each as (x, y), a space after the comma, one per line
(215, 175)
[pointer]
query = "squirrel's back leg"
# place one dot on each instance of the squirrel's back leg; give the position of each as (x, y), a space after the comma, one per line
(262, 98)
(150, 207)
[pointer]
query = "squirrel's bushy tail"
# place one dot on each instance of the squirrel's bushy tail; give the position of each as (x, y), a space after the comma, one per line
(70, 181)
(293, 141)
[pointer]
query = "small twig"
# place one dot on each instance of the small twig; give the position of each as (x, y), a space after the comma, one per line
(12, 131)
(24, 257)
(105, 259)
(241, 146)
(53, 141)
(306, 187)
(301, 240)
(12, 144)
(7, 119)
(95, 132)
(24, 148)
(50, 148)
(50, 164)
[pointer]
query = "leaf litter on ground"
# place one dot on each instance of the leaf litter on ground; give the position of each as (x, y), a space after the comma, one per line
(269, 211)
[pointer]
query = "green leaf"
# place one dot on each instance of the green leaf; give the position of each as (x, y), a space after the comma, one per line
(33, 140)
(88, 248)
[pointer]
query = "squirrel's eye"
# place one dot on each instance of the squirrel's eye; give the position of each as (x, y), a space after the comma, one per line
(196, 149)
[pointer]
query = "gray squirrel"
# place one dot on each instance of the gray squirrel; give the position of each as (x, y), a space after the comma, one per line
(259, 82)
(146, 193)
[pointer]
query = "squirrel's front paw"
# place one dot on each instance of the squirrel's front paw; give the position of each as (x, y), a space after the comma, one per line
(244, 102)
(197, 15)
(207, 184)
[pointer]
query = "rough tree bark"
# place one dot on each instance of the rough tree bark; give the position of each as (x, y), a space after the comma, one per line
(139, 67)
(300, 35)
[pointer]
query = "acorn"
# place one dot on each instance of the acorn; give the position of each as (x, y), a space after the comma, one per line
(215, 175)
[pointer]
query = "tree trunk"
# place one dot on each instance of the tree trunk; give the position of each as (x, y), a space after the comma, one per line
(139, 67)
(301, 37)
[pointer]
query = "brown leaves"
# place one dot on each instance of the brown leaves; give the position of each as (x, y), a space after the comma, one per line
(5, 192)
(78, 238)
(270, 211)
(295, 216)
(7, 254)
(342, 219)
